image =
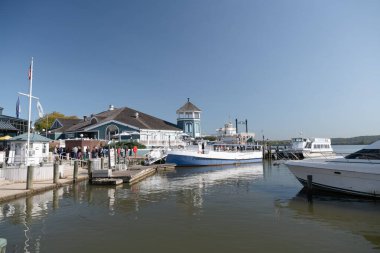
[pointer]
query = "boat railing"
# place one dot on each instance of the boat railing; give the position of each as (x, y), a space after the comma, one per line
(221, 148)
(288, 155)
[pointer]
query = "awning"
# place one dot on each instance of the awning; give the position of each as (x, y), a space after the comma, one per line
(4, 138)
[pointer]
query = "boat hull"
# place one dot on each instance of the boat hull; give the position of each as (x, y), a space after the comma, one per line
(198, 159)
(340, 177)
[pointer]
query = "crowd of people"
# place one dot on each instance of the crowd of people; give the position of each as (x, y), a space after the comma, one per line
(95, 152)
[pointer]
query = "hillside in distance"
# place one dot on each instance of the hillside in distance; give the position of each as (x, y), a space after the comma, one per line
(359, 140)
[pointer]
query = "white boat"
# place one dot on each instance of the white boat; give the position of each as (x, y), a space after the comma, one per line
(218, 154)
(155, 155)
(357, 173)
(309, 148)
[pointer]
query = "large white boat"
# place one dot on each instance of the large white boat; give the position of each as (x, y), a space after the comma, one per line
(231, 148)
(216, 154)
(357, 173)
(309, 148)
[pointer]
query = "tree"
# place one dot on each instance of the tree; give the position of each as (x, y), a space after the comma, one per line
(47, 120)
(210, 138)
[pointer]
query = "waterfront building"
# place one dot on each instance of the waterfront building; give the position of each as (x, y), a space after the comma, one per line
(121, 124)
(59, 126)
(12, 126)
(39, 149)
(189, 119)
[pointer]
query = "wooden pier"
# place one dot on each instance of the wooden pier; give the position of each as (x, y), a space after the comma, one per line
(72, 174)
(132, 175)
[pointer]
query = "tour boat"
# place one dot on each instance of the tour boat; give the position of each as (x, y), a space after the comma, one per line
(357, 173)
(309, 148)
(218, 154)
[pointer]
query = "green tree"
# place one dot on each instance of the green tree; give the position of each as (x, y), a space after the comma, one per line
(47, 120)
(210, 138)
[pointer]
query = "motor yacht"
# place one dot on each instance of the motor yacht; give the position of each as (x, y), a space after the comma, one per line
(357, 173)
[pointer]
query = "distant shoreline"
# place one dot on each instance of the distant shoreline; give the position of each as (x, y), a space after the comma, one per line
(359, 140)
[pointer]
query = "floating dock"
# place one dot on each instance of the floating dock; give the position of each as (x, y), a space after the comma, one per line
(134, 174)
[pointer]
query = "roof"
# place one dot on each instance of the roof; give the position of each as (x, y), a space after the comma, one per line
(6, 117)
(33, 138)
(126, 116)
(6, 125)
(188, 107)
(66, 124)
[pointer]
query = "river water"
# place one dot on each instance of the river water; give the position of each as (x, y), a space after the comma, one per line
(252, 208)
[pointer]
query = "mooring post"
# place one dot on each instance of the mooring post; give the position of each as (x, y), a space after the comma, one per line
(115, 156)
(56, 172)
(90, 166)
(109, 158)
(102, 163)
(75, 176)
(29, 177)
(309, 182)
(310, 189)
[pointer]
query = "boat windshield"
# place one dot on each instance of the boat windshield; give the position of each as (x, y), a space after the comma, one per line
(371, 154)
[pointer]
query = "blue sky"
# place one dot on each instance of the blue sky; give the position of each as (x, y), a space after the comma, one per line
(286, 66)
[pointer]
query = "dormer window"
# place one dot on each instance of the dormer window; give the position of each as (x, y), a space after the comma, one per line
(94, 121)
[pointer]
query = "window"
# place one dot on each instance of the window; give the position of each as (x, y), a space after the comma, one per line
(94, 121)
(371, 154)
(189, 128)
(111, 130)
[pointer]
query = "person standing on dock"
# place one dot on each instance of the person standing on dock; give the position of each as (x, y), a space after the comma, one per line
(75, 152)
(135, 150)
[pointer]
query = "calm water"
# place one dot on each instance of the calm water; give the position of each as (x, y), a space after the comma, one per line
(251, 208)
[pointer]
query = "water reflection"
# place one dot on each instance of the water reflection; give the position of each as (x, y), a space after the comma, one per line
(188, 209)
(191, 185)
(29, 215)
(355, 215)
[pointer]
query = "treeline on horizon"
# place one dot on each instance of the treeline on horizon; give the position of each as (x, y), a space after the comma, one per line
(359, 140)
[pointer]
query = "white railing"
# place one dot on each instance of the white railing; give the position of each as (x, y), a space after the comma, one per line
(162, 143)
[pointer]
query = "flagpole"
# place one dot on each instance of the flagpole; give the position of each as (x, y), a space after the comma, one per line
(30, 110)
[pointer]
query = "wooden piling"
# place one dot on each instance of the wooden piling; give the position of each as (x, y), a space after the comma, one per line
(90, 166)
(75, 176)
(309, 182)
(310, 189)
(56, 173)
(109, 158)
(102, 163)
(29, 177)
